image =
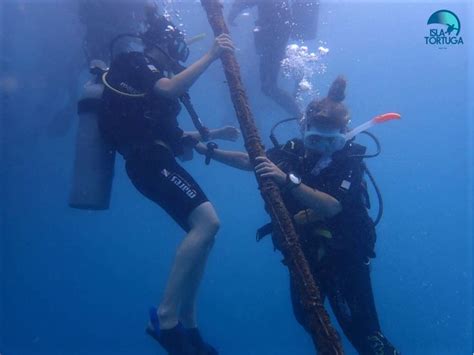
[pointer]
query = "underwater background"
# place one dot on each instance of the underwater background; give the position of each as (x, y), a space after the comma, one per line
(80, 282)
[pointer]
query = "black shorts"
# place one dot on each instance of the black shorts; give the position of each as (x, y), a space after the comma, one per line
(158, 176)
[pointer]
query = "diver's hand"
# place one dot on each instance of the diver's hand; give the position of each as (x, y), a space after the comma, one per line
(226, 133)
(222, 43)
(266, 168)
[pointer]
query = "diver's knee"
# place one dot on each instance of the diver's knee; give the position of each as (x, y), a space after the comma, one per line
(213, 225)
(204, 224)
(209, 232)
(205, 234)
(204, 219)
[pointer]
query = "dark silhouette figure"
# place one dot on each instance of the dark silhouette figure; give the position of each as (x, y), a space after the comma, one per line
(271, 34)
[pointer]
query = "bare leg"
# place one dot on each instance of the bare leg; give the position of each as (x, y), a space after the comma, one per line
(187, 314)
(188, 268)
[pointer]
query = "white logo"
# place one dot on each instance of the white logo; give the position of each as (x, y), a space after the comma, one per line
(180, 183)
(183, 186)
(152, 68)
(346, 184)
(129, 88)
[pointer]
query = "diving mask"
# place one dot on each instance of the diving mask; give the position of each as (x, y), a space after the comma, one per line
(329, 141)
(324, 141)
(178, 49)
(162, 33)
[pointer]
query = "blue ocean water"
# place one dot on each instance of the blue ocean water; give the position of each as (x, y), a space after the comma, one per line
(75, 282)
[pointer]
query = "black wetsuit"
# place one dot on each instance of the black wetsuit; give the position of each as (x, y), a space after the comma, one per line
(144, 129)
(338, 249)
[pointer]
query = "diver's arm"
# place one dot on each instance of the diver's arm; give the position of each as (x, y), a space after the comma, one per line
(322, 203)
(226, 133)
(237, 7)
(195, 134)
(179, 84)
(238, 160)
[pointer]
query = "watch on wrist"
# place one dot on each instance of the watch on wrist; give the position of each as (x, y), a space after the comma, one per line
(211, 146)
(292, 181)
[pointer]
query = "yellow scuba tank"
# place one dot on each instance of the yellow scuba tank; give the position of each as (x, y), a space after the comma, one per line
(94, 161)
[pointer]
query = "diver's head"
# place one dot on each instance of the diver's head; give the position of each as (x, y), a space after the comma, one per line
(326, 121)
(163, 36)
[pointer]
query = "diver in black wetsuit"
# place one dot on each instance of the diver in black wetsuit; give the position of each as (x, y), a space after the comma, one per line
(139, 110)
(322, 184)
(273, 28)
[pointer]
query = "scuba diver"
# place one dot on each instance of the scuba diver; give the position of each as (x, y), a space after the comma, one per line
(321, 178)
(138, 118)
(278, 20)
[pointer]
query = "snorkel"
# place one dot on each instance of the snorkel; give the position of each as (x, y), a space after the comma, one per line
(195, 39)
(369, 124)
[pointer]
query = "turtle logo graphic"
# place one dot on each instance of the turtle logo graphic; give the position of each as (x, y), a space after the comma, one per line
(448, 18)
(444, 30)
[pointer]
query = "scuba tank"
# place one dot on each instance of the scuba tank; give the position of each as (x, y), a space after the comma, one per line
(94, 161)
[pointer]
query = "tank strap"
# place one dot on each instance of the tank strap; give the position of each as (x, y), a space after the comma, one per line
(110, 87)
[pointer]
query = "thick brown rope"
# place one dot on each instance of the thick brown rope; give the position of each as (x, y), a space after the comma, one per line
(325, 337)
